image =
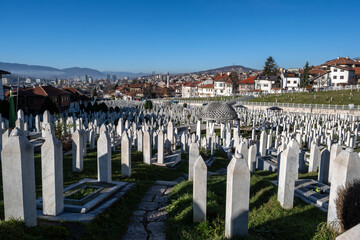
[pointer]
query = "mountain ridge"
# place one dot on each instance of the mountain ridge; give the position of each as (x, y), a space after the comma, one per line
(232, 68)
(38, 71)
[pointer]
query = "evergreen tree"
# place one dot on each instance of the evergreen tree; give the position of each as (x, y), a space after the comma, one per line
(305, 76)
(234, 77)
(270, 67)
(148, 105)
(93, 93)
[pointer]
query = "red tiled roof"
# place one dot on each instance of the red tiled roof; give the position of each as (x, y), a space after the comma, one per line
(316, 71)
(357, 70)
(52, 91)
(135, 85)
(345, 68)
(250, 80)
(41, 91)
(72, 90)
(191, 84)
(341, 61)
(207, 86)
(222, 77)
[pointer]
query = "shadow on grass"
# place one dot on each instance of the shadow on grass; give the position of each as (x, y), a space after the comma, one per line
(267, 219)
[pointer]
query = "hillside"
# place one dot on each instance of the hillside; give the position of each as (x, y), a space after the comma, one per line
(340, 97)
(36, 71)
(233, 68)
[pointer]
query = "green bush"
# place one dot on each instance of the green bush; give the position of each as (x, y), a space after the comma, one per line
(347, 205)
(148, 105)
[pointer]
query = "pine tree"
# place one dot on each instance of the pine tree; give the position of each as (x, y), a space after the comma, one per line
(93, 93)
(270, 67)
(305, 76)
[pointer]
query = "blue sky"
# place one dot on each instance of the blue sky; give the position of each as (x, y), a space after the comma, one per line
(176, 35)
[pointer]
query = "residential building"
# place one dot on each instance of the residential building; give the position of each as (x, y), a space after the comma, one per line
(319, 77)
(290, 80)
(31, 99)
(223, 85)
(342, 62)
(76, 95)
(206, 90)
(190, 89)
(268, 83)
(341, 76)
(247, 85)
(357, 75)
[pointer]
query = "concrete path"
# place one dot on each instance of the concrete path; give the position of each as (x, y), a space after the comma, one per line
(148, 222)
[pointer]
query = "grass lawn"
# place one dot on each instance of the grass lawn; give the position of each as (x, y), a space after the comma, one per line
(341, 97)
(267, 219)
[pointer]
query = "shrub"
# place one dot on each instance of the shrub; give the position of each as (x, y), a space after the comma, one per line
(148, 105)
(185, 105)
(348, 205)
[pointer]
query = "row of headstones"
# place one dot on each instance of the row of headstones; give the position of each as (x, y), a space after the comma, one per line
(18, 173)
(321, 160)
(346, 168)
(18, 168)
(237, 190)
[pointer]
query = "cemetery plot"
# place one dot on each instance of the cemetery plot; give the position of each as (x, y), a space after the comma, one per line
(87, 194)
(313, 192)
(221, 154)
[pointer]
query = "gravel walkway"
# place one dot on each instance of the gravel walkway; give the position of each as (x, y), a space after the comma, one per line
(148, 222)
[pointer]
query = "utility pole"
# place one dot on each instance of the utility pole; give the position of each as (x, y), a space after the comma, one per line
(311, 107)
(17, 95)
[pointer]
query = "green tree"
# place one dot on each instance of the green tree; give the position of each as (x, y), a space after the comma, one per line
(101, 107)
(305, 76)
(93, 93)
(49, 105)
(270, 67)
(234, 78)
(148, 91)
(148, 104)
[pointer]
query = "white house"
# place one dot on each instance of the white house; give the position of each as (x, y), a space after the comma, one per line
(267, 83)
(190, 90)
(290, 80)
(223, 85)
(320, 78)
(342, 75)
(206, 90)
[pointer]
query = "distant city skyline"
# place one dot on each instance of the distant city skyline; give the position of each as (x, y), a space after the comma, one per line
(176, 36)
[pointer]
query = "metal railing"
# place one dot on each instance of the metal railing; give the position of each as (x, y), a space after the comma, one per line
(303, 105)
(205, 100)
